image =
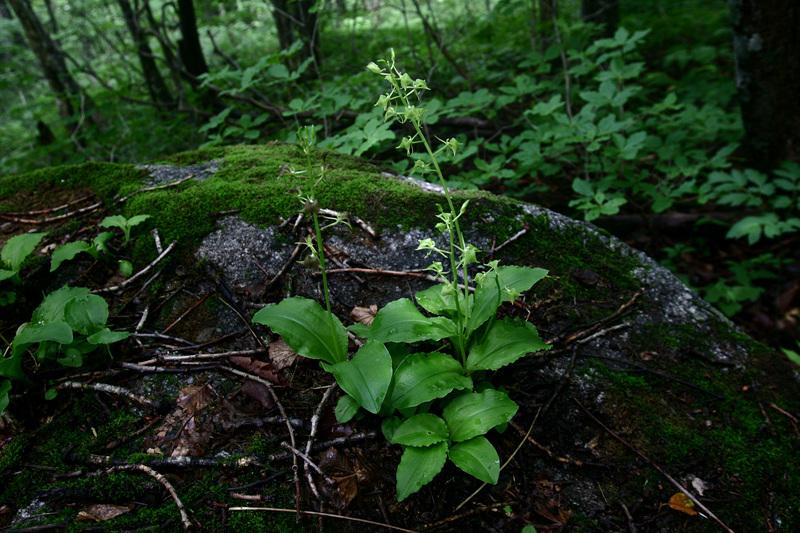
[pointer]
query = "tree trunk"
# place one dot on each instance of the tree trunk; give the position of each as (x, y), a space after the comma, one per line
(71, 99)
(295, 20)
(156, 87)
(189, 49)
(603, 12)
(766, 44)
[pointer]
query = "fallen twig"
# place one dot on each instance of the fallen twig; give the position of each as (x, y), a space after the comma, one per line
(178, 461)
(313, 433)
(350, 440)
(309, 462)
(326, 515)
(381, 272)
(139, 274)
(47, 220)
(175, 183)
(187, 312)
(663, 472)
(48, 209)
(508, 241)
(210, 356)
(476, 510)
(109, 389)
(185, 521)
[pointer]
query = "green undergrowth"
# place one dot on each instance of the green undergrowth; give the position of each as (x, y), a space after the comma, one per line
(716, 430)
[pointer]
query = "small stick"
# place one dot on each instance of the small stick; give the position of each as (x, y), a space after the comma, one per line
(382, 272)
(338, 441)
(476, 510)
(788, 415)
(266, 420)
(210, 356)
(663, 472)
(178, 461)
(139, 274)
(187, 523)
(542, 447)
(47, 220)
(162, 337)
(188, 311)
(581, 334)
(289, 262)
(49, 209)
(108, 389)
(157, 240)
(155, 188)
(282, 412)
(248, 497)
(313, 433)
(310, 463)
(508, 241)
(164, 370)
(327, 515)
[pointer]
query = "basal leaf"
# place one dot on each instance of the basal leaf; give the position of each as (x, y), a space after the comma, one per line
(307, 328)
(346, 409)
(435, 300)
(18, 248)
(114, 221)
(31, 333)
(401, 321)
(389, 426)
(475, 413)
(504, 342)
(106, 336)
(86, 314)
(366, 376)
(497, 287)
(68, 251)
(423, 429)
(52, 307)
(418, 467)
(424, 377)
(5, 388)
(478, 458)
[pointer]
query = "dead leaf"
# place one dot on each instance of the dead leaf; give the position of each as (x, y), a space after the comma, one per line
(681, 502)
(364, 315)
(195, 398)
(258, 392)
(187, 429)
(262, 369)
(281, 355)
(102, 511)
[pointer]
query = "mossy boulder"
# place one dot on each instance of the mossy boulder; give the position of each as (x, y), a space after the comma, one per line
(682, 389)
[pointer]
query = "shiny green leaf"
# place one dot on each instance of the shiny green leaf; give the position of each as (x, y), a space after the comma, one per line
(418, 467)
(423, 429)
(307, 328)
(500, 286)
(67, 252)
(475, 413)
(346, 409)
(478, 458)
(504, 343)
(401, 321)
(424, 377)
(366, 376)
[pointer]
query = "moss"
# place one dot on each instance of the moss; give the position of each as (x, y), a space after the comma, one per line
(724, 440)
(104, 179)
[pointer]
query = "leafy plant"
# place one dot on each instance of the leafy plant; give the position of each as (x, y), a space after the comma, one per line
(428, 375)
(15, 252)
(125, 224)
(69, 324)
(70, 250)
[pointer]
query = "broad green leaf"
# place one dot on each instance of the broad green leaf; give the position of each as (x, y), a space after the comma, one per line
(478, 458)
(366, 377)
(136, 220)
(793, 356)
(435, 301)
(52, 307)
(500, 286)
(31, 333)
(6, 274)
(68, 251)
(504, 342)
(389, 426)
(401, 321)
(418, 467)
(86, 314)
(424, 377)
(100, 242)
(11, 367)
(474, 413)
(346, 409)
(114, 221)
(423, 429)
(18, 248)
(50, 394)
(5, 388)
(307, 328)
(106, 336)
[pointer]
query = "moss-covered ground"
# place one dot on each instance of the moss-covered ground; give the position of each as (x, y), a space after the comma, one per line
(721, 424)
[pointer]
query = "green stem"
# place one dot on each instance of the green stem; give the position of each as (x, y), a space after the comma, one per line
(324, 271)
